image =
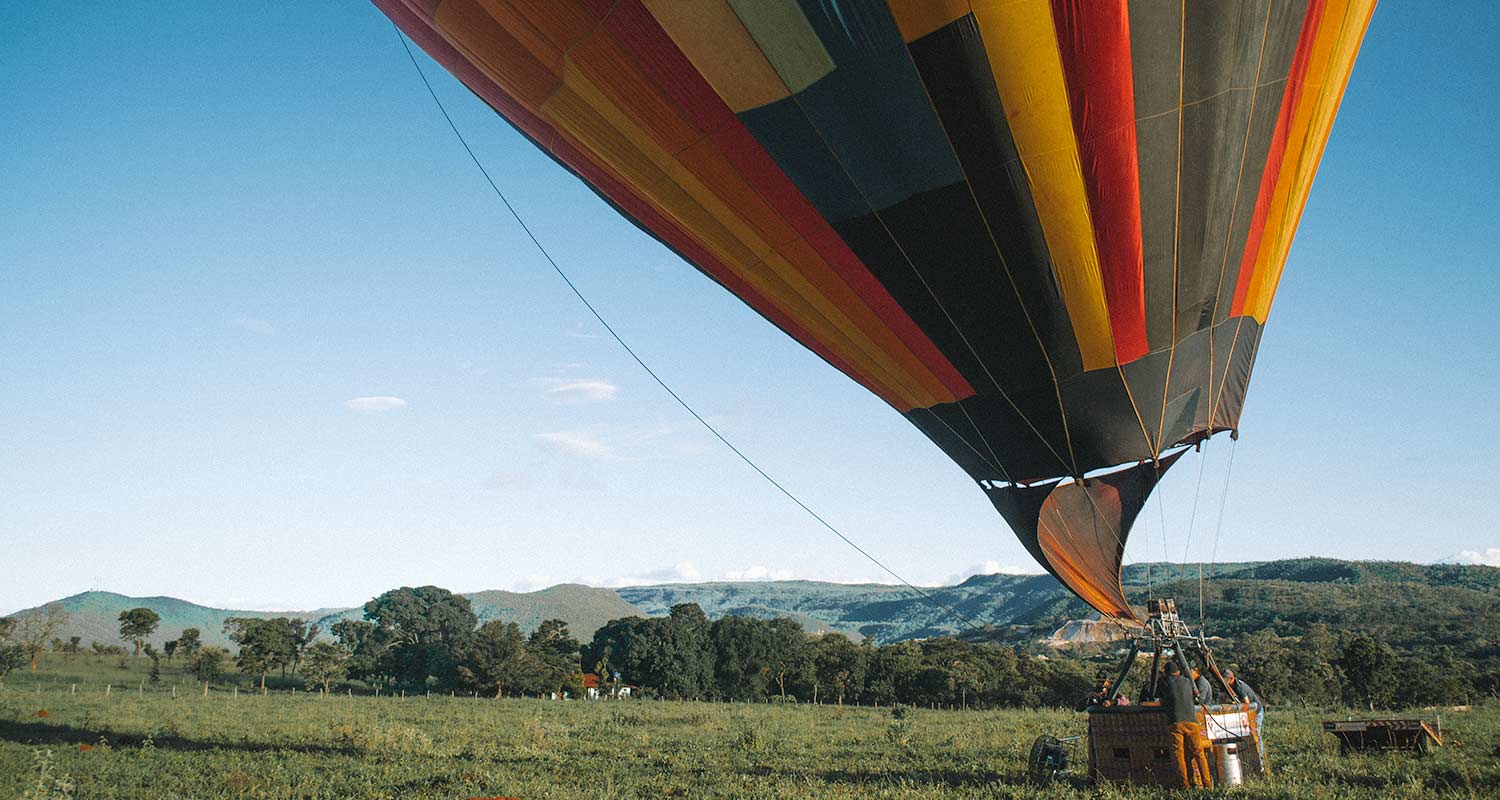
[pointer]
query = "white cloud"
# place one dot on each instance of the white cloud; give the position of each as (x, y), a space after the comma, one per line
(581, 331)
(1489, 557)
(681, 572)
(376, 404)
(236, 603)
(987, 567)
(253, 325)
(577, 443)
(577, 391)
(859, 579)
(531, 583)
(624, 443)
(759, 572)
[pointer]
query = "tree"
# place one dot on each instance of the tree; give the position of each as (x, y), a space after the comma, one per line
(787, 656)
(12, 654)
(1369, 668)
(621, 647)
(169, 649)
(32, 629)
(1003, 675)
(261, 645)
(687, 666)
(739, 654)
(496, 657)
(302, 634)
(429, 629)
(753, 655)
(893, 670)
(264, 644)
(838, 666)
(207, 665)
(12, 657)
(188, 643)
(136, 624)
(366, 644)
(555, 651)
(323, 664)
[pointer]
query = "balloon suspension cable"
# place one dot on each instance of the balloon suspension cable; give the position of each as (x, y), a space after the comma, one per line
(639, 361)
(1213, 558)
(1192, 522)
(1161, 514)
(1187, 542)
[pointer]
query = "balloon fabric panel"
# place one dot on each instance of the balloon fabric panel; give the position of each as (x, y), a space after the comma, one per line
(1047, 232)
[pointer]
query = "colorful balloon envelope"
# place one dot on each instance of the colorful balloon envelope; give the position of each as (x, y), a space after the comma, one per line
(1048, 233)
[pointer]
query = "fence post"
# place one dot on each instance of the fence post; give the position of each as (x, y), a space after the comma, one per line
(107, 687)
(73, 689)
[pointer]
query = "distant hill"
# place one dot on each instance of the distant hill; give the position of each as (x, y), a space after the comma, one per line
(1408, 605)
(585, 608)
(889, 613)
(94, 616)
(1412, 606)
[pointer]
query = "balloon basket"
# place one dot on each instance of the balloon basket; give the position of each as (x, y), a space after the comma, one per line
(1132, 743)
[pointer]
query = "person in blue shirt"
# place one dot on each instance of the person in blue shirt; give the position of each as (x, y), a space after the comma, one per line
(1246, 694)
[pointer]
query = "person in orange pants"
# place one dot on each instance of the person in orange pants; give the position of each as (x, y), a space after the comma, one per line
(1187, 735)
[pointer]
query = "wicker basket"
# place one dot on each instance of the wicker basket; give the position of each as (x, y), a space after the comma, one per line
(1134, 744)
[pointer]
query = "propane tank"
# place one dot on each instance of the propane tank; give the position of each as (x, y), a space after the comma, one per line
(1229, 765)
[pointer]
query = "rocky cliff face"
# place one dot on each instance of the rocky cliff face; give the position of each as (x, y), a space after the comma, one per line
(1088, 631)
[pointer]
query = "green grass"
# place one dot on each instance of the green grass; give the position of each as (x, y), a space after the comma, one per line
(148, 744)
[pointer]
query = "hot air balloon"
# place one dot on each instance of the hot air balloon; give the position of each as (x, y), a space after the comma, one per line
(1048, 233)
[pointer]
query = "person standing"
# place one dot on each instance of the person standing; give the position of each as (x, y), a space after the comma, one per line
(1204, 688)
(1246, 694)
(1178, 697)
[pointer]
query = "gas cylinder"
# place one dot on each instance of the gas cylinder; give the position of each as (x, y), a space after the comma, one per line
(1229, 765)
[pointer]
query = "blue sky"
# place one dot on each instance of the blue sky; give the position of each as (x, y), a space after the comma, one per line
(221, 225)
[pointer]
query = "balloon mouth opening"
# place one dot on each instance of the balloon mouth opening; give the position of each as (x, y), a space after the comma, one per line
(1077, 527)
(1079, 533)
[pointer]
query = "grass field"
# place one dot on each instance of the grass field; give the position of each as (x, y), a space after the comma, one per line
(149, 744)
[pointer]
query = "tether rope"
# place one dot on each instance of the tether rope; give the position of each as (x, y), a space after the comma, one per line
(641, 362)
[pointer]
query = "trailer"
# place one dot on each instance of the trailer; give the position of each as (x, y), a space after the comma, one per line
(1385, 734)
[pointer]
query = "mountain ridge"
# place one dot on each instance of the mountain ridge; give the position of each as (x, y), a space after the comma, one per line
(1288, 594)
(93, 615)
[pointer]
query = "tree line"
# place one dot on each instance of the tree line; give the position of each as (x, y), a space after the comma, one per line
(685, 655)
(1353, 668)
(428, 637)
